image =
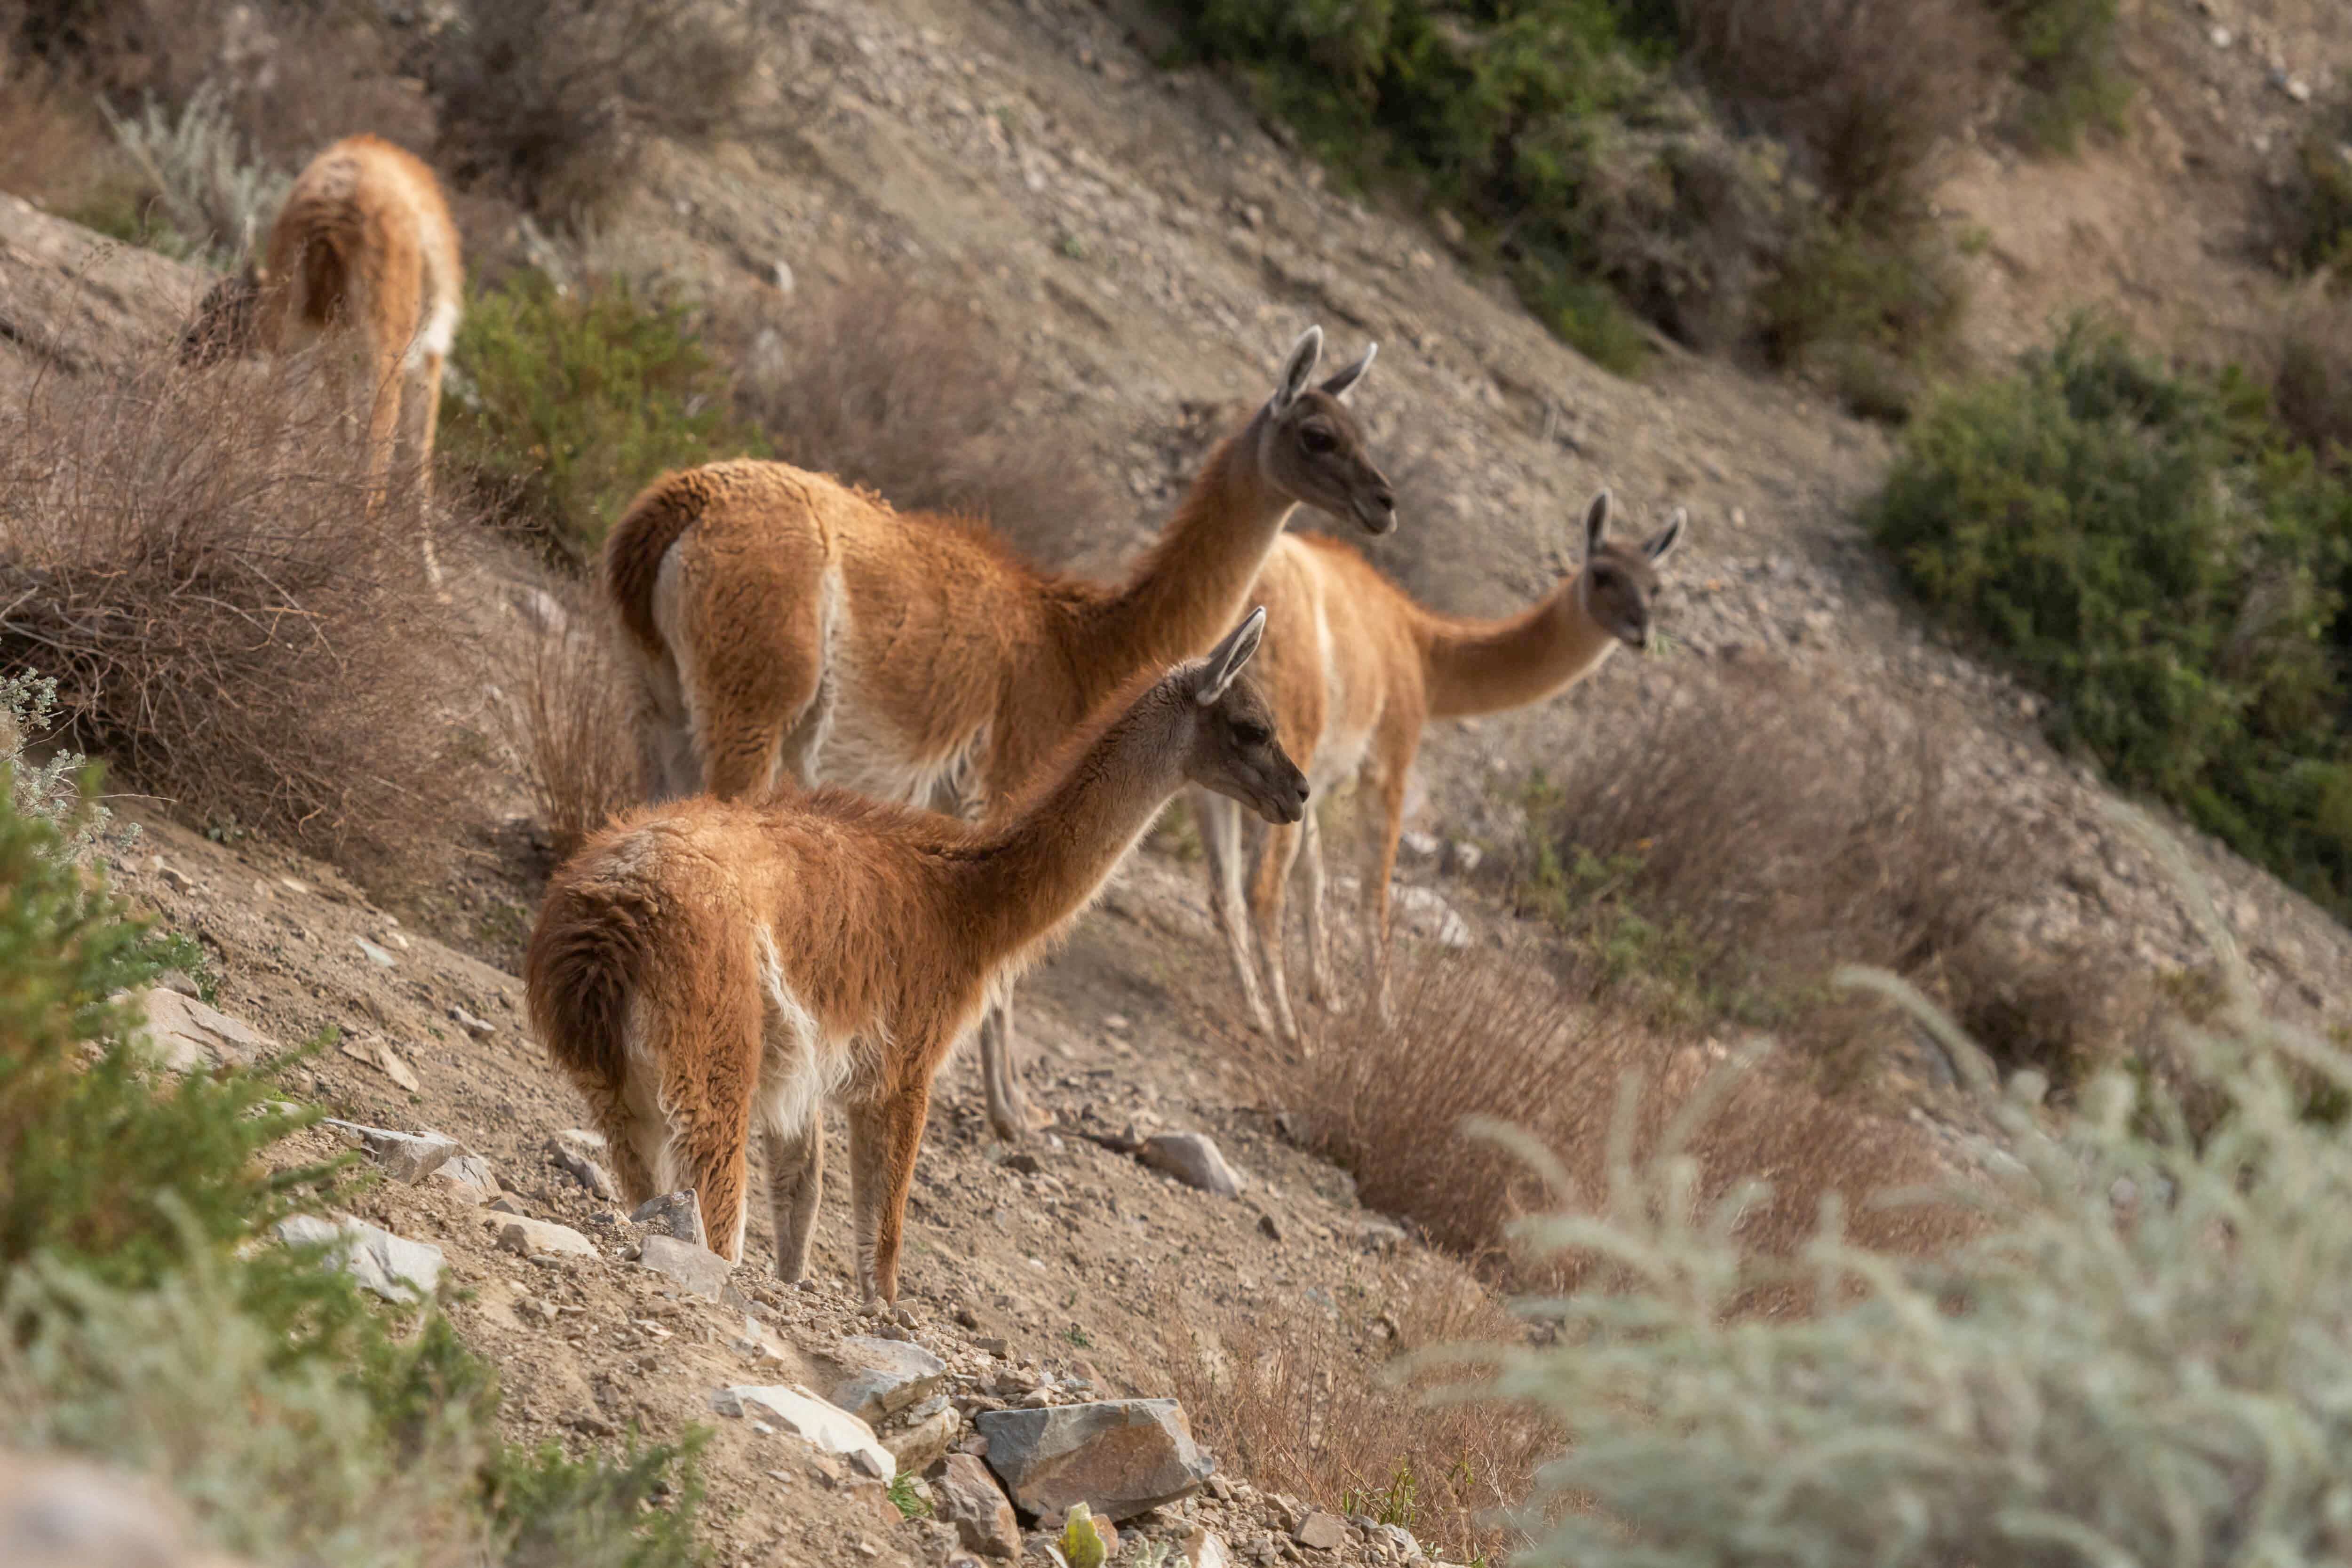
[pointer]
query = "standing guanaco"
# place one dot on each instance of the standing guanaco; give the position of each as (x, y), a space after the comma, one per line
(363, 246)
(1356, 669)
(707, 965)
(783, 626)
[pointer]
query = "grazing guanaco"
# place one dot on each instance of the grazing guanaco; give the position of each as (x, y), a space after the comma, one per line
(1355, 669)
(707, 965)
(364, 245)
(783, 626)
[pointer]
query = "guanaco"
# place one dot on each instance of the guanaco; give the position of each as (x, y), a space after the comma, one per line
(1355, 669)
(705, 965)
(362, 245)
(783, 626)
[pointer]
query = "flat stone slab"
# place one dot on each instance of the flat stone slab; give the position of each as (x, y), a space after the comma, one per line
(539, 1237)
(1193, 1159)
(404, 1156)
(696, 1268)
(468, 1178)
(392, 1267)
(188, 1034)
(970, 1498)
(827, 1428)
(677, 1213)
(886, 1376)
(1120, 1457)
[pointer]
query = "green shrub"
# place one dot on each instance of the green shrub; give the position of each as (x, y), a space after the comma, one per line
(566, 402)
(146, 1319)
(2066, 67)
(2323, 219)
(2142, 1358)
(2153, 554)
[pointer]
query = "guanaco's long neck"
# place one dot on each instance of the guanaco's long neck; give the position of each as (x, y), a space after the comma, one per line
(1023, 881)
(1187, 591)
(1483, 667)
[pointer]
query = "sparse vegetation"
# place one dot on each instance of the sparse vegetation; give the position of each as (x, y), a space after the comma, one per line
(2154, 553)
(550, 102)
(1301, 1404)
(917, 398)
(562, 402)
(142, 1300)
(2068, 78)
(215, 199)
(2321, 218)
(565, 716)
(2133, 1362)
(189, 557)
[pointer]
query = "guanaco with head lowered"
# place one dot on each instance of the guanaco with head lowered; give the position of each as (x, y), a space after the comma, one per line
(362, 245)
(707, 966)
(783, 626)
(1355, 668)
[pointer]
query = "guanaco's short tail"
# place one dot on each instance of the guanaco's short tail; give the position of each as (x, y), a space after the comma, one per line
(634, 551)
(589, 955)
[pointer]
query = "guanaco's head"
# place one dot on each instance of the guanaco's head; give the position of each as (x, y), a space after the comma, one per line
(227, 324)
(1309, 447)
(1235, 751)
(1620, 581)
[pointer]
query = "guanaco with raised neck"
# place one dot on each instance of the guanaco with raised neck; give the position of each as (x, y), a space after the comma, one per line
(707, 966)
(783, 626)
(1356, 669)
(362, 247)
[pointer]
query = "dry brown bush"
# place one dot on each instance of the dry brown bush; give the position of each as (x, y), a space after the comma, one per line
(564, 717)
(1299, 1401)
(1771, 827)
(1479, 1035)
(550, 101)
(2311, 373)
(1863, 88)
(188, 555)
(915, 397)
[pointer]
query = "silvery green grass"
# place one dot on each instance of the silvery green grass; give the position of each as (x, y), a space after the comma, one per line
(2145, 1358)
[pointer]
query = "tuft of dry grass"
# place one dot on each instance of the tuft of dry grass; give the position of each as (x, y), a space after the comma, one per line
(551, 101)
(1303, 1401)
(1756, 829)
(2311, 377)
(188, 555)
(916, 397)
(1483, 1036)
(564, 716)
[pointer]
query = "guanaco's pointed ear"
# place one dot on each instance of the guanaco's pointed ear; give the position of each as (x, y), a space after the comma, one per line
(1662, 543)
(1343, 381)
(1225, 661)
(1305, 354)
(1596, 524)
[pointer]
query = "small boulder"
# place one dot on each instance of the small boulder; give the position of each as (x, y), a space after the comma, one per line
(920, 1444)
(886, 1376)
(391, 1266)
(827, 1428)
(1427, 914)
(968, 1497)
(694, 1269)
(1207, 1549)
(187, 1033)
(1121, 1456)
(468, 1178)
(575, 1152)
(539, 1237)
(62, 1513)
(404, 1156)
(677, 1213)
(1192, 1159)
(1323, 1531)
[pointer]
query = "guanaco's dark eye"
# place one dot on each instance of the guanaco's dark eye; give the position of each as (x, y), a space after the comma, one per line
(1252, 735)
(1315, 438)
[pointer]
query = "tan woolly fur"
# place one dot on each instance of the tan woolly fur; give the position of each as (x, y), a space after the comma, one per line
(363, 246)
(707, 966)
(1355, 669)
(783, 626)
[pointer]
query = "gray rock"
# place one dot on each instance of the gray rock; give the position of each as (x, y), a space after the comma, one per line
(1192, 1159)
(1207, 1549)
(968, 1497)
(467, 1021)
(1427, 914)
(1120, 1457)
(540, 1238)
(886, 1376)
(1420, 845)
(375, 954)
(187, 1033)
(1463, 857)
(576, 1151)
(825, 1427)
(404, 1156)
(922, 1443)
(391, 1266)
(60, 1513)
(1323, 1531)
(696, 1268)
(677, 1213)
(468, 1178)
